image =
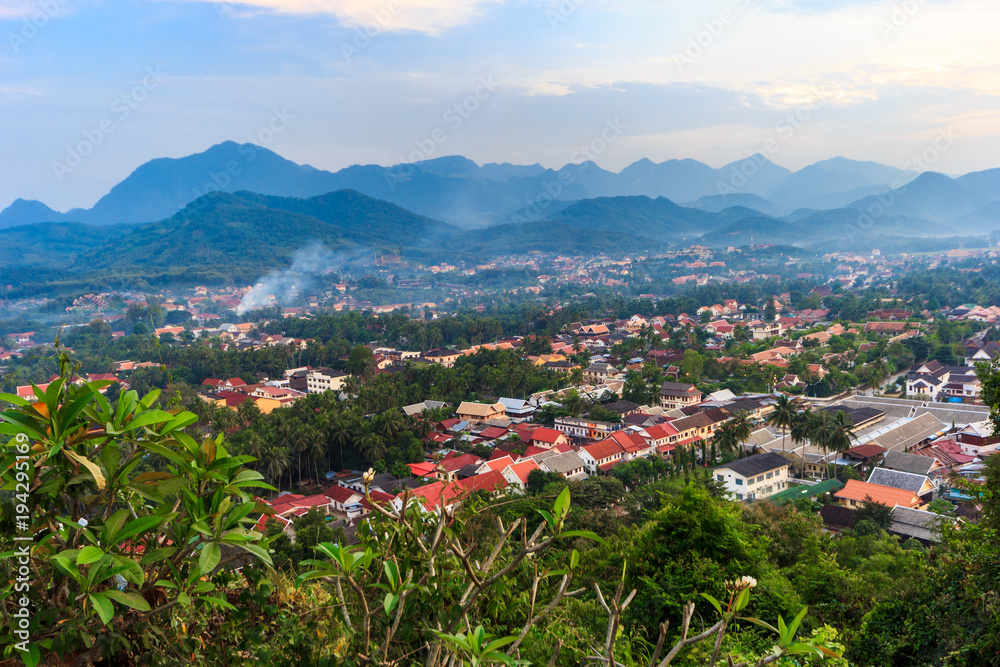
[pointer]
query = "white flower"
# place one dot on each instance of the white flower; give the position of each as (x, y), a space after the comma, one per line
(747, 582)
(369, 476)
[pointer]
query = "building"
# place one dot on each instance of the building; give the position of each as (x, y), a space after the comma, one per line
(678, 395)
(907, 481)
(856, 494)
(762, 330)
(319, 380)
(754, 477)
(601, 456)
(444, 356)
(568, 464)
(586, 429)
(480, 412)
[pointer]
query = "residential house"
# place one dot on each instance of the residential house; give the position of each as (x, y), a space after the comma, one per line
(444, 356)
(678, 395)
(856, 494)
(547, 438)
(480, 412)
(762, 330)
(568, 464)
(754, 477)
(586, 429)
(907, 481)
(601, 456)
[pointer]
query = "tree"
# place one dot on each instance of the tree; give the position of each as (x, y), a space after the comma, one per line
(692, 365)
(742, 428)
(148, 542)
(783, 416)
(840, 434)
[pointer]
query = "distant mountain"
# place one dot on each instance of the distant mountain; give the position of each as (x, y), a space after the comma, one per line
(258, 232)
(757, 230)
(28, 211)
(754, 175)
(456, 190)
(931, 196)
(837, 182)
(659, 219)
(507, 171)
(53, 244)
(716, 203)
(984, 183)
(981, 221)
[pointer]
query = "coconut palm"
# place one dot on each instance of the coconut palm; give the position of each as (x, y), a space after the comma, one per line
(783, 416)
(742, 428)
(371, 444)
(390, 423)
(821, 429)
(726, 439)
(341, 432)
(841, 434)
(800, 432)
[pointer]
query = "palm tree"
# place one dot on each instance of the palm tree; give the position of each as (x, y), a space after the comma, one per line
(371, 445)
(390, 423)
(821, 431)
(742, 429)
(726, 439)
(841, 434)
(800, 432)
(783, 416)
(275, 463)
(341, 432)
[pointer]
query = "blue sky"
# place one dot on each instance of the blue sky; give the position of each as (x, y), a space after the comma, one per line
(534, 80)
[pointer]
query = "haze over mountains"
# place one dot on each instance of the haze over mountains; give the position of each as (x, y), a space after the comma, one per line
(457, 190)
(170, 213)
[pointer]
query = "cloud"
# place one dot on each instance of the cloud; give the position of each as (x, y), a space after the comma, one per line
(425, 16)
(39, 10)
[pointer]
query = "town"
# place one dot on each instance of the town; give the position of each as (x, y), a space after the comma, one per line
(796, 395)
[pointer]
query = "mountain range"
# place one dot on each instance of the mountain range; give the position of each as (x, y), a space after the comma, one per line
(457, 190)
(238, 210)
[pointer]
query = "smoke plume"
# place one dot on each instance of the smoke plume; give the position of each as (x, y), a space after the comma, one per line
(286, 286)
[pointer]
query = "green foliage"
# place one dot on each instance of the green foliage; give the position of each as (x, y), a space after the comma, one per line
(113, 546)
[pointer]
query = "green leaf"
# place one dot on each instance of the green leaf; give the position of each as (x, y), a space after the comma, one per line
(218, 602)
(757, 621)
(104, 608)
(392, 572)
(113, 525)
(258, 552)
(548, 519)
(590, 535)
(33, 657)
(140, 525)
(149, 417)
(389, 603)
(89, 555)
(12, 398)
(210, 556)
(561, 506)
(715, 603)
(743, 599)
(794, 627)
(156, 555)
(574, 559)
(129, 599)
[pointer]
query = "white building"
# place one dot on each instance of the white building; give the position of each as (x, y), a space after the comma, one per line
(754, 477)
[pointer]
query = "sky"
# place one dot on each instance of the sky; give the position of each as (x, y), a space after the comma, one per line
(91, 89)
